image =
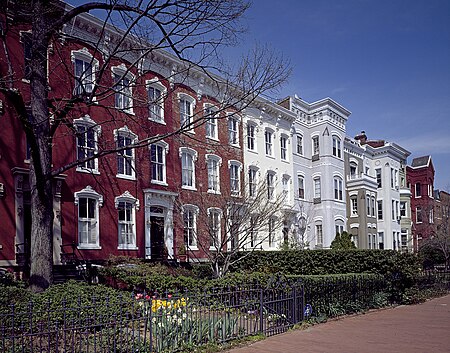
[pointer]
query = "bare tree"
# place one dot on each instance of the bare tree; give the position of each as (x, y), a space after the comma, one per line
(185, 36)
(439, 240)
(304, 234)
(240, 222)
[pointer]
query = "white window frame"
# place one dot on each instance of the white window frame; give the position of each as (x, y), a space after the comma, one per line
(337, 151)
(318, 230)
(286, 180)
(84, 80)
(127, 198)
(315, 146)
(163, 164)
(299, 145)
(213, 173)
(187, 209)
(284, 141)
(338, 188)
(419, 214)
(212, 122)
(418, 194)
(158, 103)
(123, 96)
(301, 186)
(87, 123)
(233, 129)
(317, 187)
(270, 183)
(125, 132)
(379, 177)
(88, 193)
(380, 214)
(215, 229)
(251, 137)
(235, 183)
(271, 231)
(193, 154)
(354, 206)
(253, 172)
(269, 137)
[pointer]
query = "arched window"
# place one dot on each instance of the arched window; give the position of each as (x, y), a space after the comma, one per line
(88, 202)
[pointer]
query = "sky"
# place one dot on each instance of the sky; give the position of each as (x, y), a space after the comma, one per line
(387, 61)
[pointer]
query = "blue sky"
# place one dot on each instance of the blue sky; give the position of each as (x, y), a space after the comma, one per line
(387, 61)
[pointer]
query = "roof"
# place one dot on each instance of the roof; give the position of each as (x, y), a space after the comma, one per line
(423, 161)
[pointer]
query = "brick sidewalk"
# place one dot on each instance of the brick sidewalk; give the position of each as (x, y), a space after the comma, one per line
(423, 328)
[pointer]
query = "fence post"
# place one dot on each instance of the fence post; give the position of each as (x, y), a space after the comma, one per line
(294, 306)
(261, 310)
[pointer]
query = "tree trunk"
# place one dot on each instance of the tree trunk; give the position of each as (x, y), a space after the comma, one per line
(39, 137)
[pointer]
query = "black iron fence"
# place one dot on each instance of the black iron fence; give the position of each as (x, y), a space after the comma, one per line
(144, 323)
(140, 322)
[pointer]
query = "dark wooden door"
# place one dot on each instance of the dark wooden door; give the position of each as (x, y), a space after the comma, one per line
(157, 237)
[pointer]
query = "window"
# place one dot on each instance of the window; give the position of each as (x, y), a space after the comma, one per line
(26, 42)
(214, 228)
(158, 153)
(233, 131)
(369, 241)
(392, 178)
(83, 77)
(186, 105)
(283, 148)
(271, 235)
(268, 137)
(211, 123)
(317, 188)
(336, 147)
(431, 216)
(213, 163)
(235, 177)
(380, 209)
(252, 182)
(418, 215)
(319, 234)
(270, 178)
(372, 213)
(315, 143)
(125, 156)
(368, 204)
(418, 190)
(84, 66)
(381, 240)
(126, 205)
(338, 189)
(301, 187)
(404, 238)
(251, 145)
(188, 157)
(285, 185)
(190, 226)
(402, 208)
(122, 87)
(378, 174)
(393, 210)
(430, 190)
(300, 145)
(88, 202)
(339, 227)
(353, 170)
(155, 94)
(354, 205)
(87, 137)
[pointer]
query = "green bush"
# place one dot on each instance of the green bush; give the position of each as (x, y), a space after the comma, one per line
(322, 262)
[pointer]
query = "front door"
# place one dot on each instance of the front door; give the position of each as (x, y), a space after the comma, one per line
(157, 238)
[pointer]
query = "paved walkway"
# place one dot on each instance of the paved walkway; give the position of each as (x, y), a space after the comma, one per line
(423, 328)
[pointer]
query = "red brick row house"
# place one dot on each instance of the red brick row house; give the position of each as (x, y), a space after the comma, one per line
(149, 202)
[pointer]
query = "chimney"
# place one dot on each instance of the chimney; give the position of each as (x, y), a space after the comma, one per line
(362, 137)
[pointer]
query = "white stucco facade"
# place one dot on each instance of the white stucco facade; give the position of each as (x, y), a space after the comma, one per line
(318, 168)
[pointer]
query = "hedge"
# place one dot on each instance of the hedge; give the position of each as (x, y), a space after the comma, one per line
(322, 262)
